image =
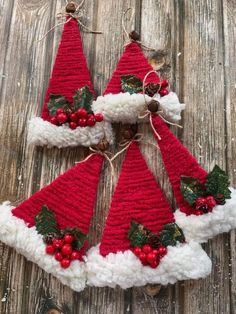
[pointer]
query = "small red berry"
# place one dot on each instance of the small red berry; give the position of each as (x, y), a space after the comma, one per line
(198, 213)
(163, 92)
(200, 201)
(73, 125)
(137, 251)
(155, 252)
(60, 110)
(82, 113)
(74, 117)
(69, 238)
(162, 250)
(54, 120)
(142, 257)
(58, 256)
(75, 255)
(62, 117)
(211, 201)
(82, 122)
(91, 121)
(58, 243)
(164, 84)
(50, 249)
(154, 264)
(146, 248)
(65, 263)
(66, 249)
(99, 117)
(151, 257)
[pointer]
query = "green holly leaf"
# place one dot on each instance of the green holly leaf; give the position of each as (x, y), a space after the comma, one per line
(80, 237)
(171, 235)
(46, 222)
(191, 189)
(131, 84)
(138, 234)
(83, 99)
(217, 183)
(56, 102)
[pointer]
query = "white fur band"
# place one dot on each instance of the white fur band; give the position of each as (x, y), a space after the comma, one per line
(185, 261)
(42, 133)
(14, 232)
(127, 108)
(201, 228)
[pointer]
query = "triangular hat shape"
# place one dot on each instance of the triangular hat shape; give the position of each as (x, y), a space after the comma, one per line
(135, 199)
(70, 73)
(180, 162)
(132, 62)
(126, 107)
(71, 198)
(139, 199)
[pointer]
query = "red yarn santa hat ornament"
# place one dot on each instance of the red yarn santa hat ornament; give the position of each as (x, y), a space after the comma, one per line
(179, 162)
(50, 228)
(70, 74)
(120, 105)
(138, 201)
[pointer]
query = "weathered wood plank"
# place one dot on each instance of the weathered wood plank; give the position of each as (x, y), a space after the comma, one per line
(192, 33)
(204, 133)
(229, 24)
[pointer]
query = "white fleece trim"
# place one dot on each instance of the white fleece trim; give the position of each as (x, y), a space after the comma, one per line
(126, 108)
(171, 106)
(185, 261)
(44, 133)
(201, 228)
(14, 232)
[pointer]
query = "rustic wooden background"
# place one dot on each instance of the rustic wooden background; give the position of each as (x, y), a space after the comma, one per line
(197, 42)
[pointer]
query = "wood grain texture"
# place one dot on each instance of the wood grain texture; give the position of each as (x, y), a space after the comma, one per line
(198, 38)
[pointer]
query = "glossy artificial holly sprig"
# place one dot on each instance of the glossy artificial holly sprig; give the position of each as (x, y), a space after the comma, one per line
(65, 245)
(79, 114)
(132, 84)
(149, 247)
(203, 197)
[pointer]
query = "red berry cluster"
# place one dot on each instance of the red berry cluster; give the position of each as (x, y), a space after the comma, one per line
(204, 205)
(63, 251)
(150, 256)
(78, 118)
(164, 91)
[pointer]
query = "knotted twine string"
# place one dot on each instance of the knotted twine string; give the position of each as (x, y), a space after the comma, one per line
(129, 40)
(126, 143)
(77, 15)
(149, 114)
(104, 154)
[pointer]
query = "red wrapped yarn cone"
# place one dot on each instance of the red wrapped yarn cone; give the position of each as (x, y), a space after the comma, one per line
(138, 198)
(179, 162)
(71, 198)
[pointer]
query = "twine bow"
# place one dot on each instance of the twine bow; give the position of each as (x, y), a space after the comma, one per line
(105, 154)
(126, 144)
(78, 14)
(129, 40)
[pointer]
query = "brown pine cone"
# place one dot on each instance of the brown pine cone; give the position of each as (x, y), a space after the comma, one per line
(102, 145)
(151, 89)
(154, 241)
(129, 131)
(70, 8)
(134, 35)
(153, 106)
(49, 237)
